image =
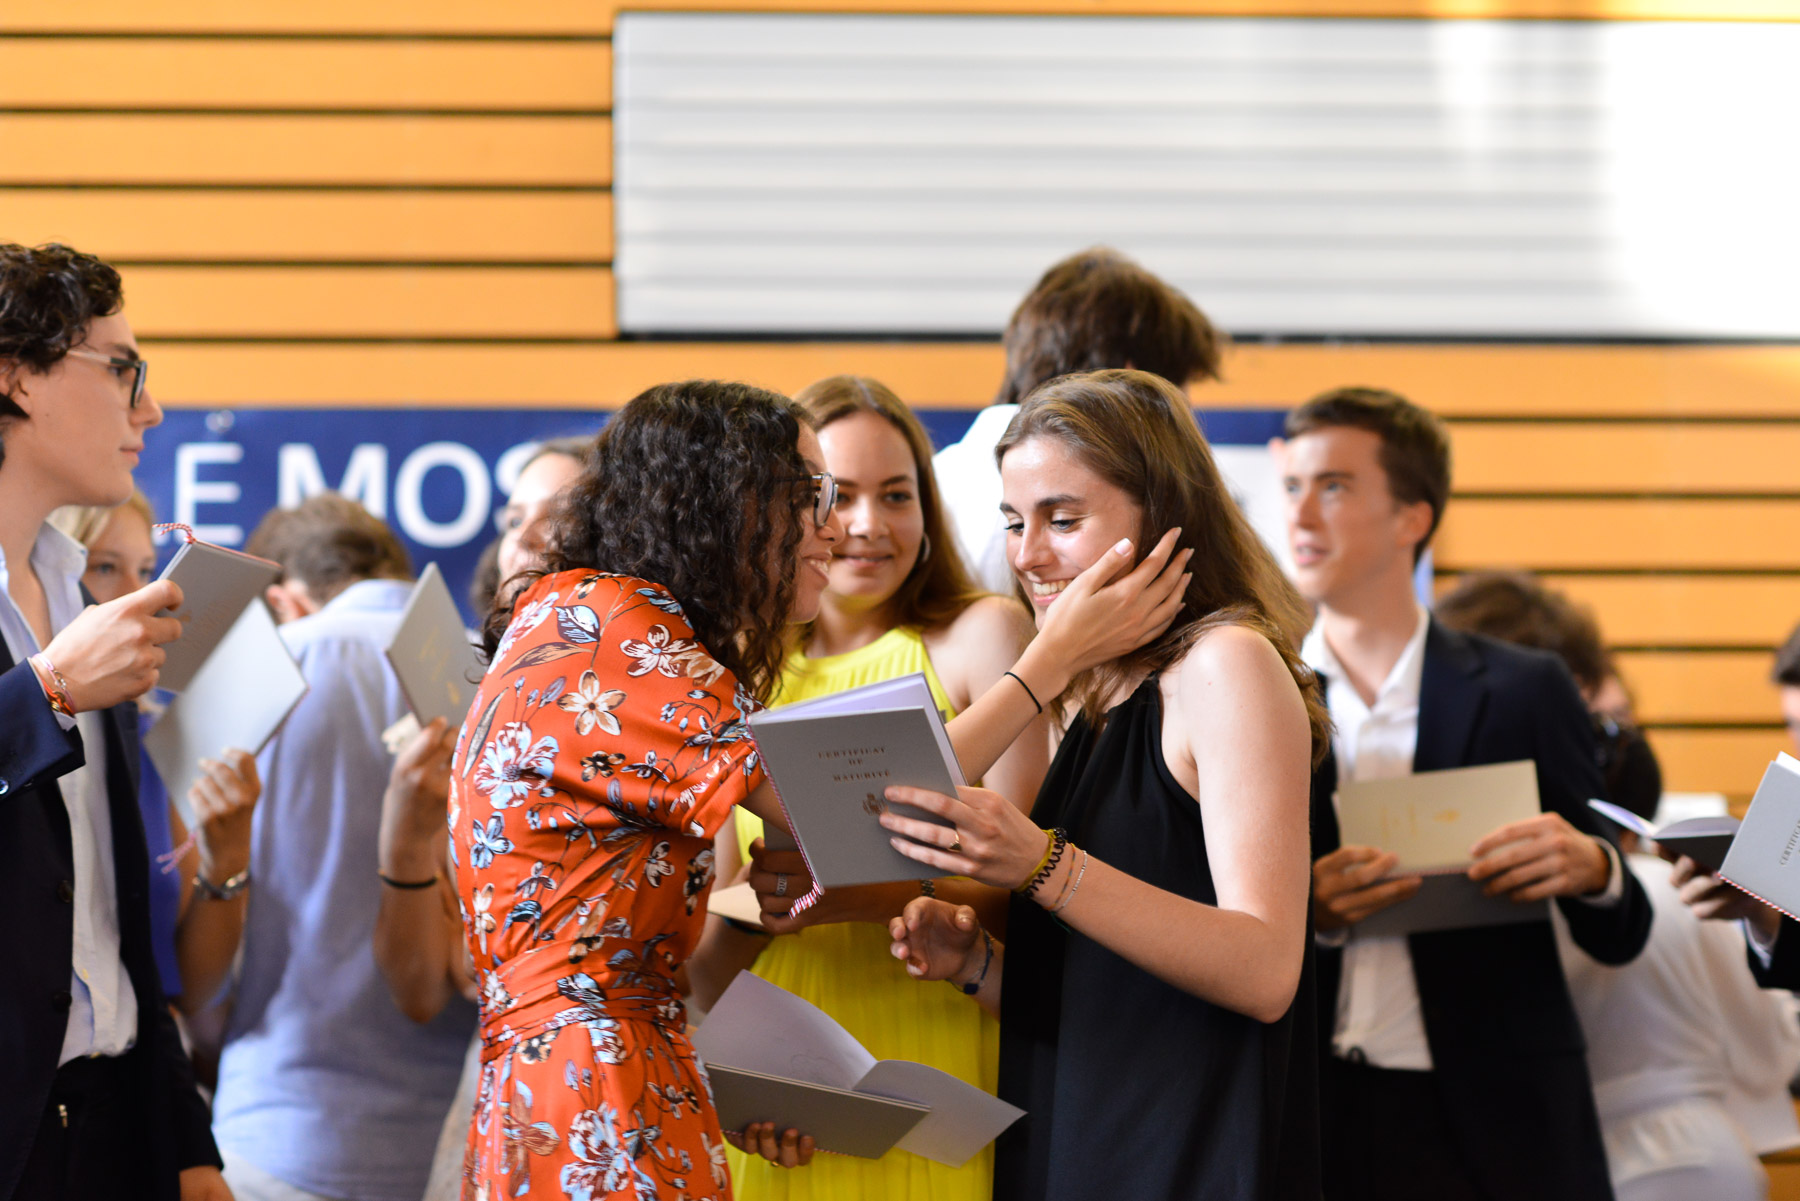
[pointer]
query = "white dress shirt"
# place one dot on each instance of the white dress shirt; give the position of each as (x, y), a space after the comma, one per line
(969, 481)
(1690, 1059)
(1379, 1021)
(1378, 1017)
(103, 1017)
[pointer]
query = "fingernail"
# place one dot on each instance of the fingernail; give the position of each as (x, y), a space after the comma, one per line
(1122, 546)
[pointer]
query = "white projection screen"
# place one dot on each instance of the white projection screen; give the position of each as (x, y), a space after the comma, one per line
(787, 175)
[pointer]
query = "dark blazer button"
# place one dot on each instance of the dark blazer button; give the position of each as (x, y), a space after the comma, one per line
(61, 1001)
(4, 786)
(65, 892)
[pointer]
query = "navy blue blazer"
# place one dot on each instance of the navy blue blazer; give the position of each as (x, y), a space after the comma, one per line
(1783, 969)
(36, 894)
(1505, 1042)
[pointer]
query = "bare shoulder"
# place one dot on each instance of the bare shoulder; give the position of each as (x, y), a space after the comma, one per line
(993, 623)
(1230, 651)
(1232, 663)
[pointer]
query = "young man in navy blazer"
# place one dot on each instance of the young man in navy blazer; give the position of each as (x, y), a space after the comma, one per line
(1453, 1064)
(96, 1096)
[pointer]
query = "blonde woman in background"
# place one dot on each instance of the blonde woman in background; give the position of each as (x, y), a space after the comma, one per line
(197, 902)
(899, 601)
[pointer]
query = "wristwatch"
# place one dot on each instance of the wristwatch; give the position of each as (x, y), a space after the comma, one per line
(223, 892)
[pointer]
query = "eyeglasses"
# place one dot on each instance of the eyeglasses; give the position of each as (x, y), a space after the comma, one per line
(140, 369)
(825, 494)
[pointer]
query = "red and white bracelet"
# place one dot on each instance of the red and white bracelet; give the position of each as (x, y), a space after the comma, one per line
(56, 689)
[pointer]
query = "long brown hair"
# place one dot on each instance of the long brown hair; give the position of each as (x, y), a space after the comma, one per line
(697, 486)
(1135, 431)
(939, 586)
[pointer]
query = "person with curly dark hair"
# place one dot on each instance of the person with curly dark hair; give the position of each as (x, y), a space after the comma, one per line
(607, 746)
(98, 1098)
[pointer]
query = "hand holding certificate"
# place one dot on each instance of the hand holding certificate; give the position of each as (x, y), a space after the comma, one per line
(774, 1058)
(238, 698)
(1435, 826)
(832, 761)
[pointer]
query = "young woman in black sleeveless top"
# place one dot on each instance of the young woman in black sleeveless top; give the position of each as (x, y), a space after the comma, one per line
(1156, 1019)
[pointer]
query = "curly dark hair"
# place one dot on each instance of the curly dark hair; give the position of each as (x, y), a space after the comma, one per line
(49, 295)
(692, 486)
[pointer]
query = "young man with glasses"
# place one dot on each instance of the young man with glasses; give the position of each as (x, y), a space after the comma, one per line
(97, 1098)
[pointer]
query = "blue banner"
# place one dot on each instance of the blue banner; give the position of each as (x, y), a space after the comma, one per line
(437, 476)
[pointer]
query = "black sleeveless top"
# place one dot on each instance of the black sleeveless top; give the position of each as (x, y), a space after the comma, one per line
(1133, 1088)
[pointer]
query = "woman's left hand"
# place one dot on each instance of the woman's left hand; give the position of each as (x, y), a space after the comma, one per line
(224, 799)
(790, 1149)
(989, 841)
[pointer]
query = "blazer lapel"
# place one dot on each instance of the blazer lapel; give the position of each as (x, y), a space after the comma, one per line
(1452, 694)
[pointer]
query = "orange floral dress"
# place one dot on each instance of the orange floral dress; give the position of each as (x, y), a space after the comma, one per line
(604, 750)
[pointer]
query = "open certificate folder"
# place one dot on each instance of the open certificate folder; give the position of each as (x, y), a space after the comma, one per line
(1764, 859)
(1430, 819)
(773, 1057)
(833, 758)
(238, 698)
(1705, 840)
(217, 584)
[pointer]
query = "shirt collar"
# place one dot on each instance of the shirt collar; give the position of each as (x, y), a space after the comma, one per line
(370, 595)
(57, 557)
(1404, 679)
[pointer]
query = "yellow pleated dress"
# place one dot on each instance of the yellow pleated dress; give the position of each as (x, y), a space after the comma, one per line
(844, 968)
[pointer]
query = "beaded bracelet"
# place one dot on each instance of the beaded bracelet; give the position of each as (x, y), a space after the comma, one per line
(56, 689)
(1075, 887)
(974, 986)
(1059, 841)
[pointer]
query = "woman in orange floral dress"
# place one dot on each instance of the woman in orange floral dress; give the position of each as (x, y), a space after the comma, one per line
(605, 749)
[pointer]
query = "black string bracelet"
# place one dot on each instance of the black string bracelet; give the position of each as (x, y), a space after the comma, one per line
(406, 885)
(1028, 692)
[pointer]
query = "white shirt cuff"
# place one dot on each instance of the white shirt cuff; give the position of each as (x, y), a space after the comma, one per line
(1761, 945)
(1614, 892)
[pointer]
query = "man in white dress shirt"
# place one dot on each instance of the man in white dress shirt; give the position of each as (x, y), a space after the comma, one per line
(1451, 1064)
(1092, 311)
(97, 1099)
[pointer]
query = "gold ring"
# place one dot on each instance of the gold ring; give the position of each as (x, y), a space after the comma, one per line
(956, 846)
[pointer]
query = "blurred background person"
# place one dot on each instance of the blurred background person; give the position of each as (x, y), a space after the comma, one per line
(1690, 1059)
(197, 900)
(1787, 685)
(524, 520)
(325, 1087)
(1091, 311)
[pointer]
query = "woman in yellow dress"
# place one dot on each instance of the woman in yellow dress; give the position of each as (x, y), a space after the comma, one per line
(899, 601)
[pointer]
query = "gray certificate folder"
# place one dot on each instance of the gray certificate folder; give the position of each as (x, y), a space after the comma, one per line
(216, 586)
(839, 1120)
(1705, 840)
(1764, 859)
(773, 1057)
(431, 653)
(832, 761)
(1430, 820)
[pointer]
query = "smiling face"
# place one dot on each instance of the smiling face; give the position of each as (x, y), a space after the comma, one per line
(813, 571)
(1060, 517)
(1350, 538)
(526, 518)
(878, 501)
(80, 438)
(122, 558)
